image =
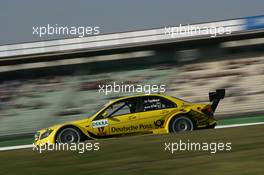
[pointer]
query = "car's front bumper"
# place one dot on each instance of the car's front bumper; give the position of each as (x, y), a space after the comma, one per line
(48, 140)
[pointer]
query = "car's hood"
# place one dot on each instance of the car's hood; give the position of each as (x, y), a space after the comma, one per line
(75, 122)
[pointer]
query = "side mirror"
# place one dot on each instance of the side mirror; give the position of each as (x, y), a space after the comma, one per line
(105, 114)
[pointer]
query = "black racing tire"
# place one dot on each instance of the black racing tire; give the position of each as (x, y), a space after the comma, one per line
(181, 124)
(69, 135)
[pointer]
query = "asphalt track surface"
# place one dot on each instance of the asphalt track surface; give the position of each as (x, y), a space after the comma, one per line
(147, 155)
(229, 123)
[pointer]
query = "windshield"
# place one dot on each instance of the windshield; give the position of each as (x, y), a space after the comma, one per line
(94, 111)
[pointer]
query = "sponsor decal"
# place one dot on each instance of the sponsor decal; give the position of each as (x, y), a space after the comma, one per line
(159, 123)
(101, 131)
(131, 128)
(152, 104)
(151, 100)
(100, 123)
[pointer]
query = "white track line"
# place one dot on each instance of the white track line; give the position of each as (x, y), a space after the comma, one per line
(238, 125)
(15, 147)
(217, 127)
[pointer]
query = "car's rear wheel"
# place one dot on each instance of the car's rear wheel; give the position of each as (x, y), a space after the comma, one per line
(181, 124)
(69, 135)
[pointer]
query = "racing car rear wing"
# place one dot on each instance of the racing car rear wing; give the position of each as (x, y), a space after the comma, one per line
(215, 98)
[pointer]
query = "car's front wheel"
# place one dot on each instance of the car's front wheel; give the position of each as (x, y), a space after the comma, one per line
(69, 135)
(181, 124)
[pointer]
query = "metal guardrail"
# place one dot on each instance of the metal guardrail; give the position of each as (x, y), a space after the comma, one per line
(121, 56)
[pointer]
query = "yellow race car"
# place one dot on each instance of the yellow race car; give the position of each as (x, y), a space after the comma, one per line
(138, 114)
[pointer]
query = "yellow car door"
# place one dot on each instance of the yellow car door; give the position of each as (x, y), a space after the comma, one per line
(154, 110)
(123, 124)
(117, 119)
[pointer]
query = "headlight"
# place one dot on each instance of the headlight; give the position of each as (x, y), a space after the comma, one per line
(36, 136)
(46, 134)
